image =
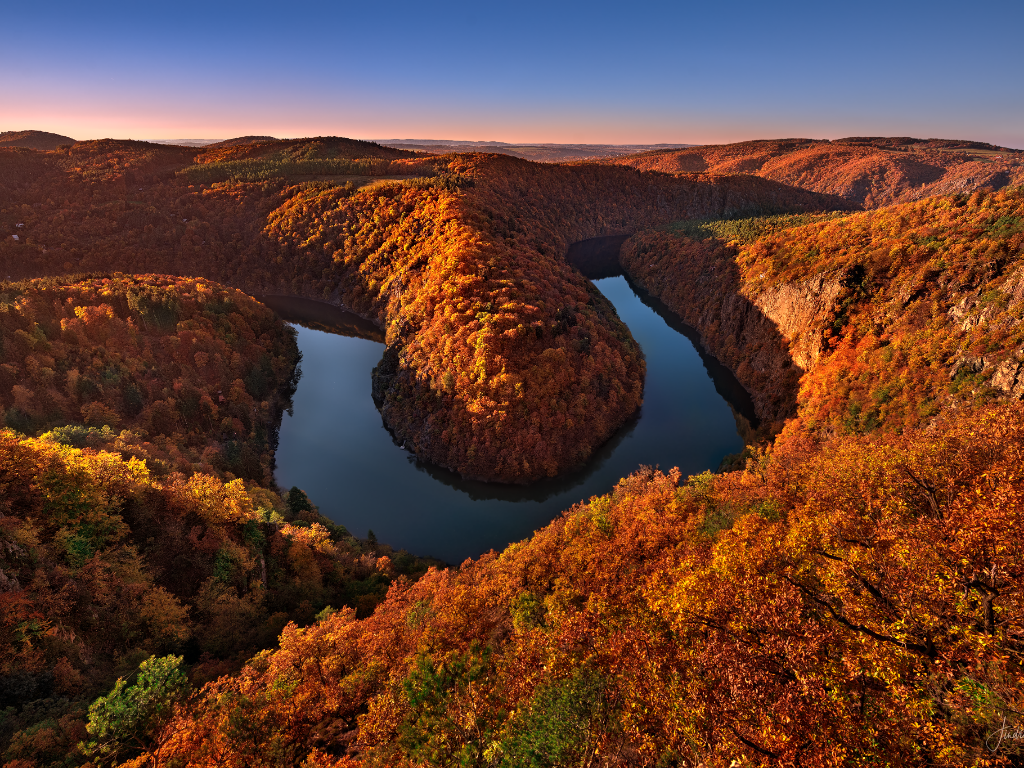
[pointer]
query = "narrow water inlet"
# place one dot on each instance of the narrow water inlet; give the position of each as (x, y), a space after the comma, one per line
(598, 258)
(322, 316)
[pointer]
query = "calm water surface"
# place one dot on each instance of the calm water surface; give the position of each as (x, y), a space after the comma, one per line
(337, 450)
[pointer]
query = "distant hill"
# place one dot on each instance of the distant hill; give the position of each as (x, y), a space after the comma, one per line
(318, 147)
(186, 142)
(243, 140)
(870, 171)
(543, 153)
(33, 139)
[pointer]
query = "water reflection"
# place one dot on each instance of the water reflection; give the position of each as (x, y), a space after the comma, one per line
(321, 316)
(335, 447)
(542, 490)
(726, 383)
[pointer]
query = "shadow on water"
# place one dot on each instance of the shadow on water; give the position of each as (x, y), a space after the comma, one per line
(321, 316)
(726, 384)
(598, 258)
(542, 490)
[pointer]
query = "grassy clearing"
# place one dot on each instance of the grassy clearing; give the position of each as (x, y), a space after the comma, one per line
(746, 229)
(356, 182)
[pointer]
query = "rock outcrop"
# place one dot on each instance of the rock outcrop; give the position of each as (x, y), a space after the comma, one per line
(768, 337)
(798, 311)
(1008, 377)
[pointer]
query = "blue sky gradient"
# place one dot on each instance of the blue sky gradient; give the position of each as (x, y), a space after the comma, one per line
(641, 72)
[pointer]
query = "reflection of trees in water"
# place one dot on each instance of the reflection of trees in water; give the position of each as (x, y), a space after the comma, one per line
(726, 384)
(542, 490)
(321, 316)
(598, 258)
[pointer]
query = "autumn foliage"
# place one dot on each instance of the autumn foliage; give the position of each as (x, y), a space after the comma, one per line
(103, 563)
(33, 139)
(889, 318)
(852, 601)
(851, 596)
(868, 171)
(184, 373)
(502, 361)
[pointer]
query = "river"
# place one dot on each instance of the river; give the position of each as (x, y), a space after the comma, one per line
(335, 447)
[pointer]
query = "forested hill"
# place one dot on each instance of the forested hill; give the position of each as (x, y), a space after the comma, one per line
(502, 364)
(202, 372)
(318, 148)
(241, 140)
(33, 139)
(869, 171)
(850, 595)
(859, 322)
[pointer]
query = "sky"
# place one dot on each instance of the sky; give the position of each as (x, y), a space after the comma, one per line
(528, 72)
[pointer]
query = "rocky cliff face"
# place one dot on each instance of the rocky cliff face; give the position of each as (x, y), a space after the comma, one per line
(799, 311)
(768, 337)
(883, 320)
(1008, 377)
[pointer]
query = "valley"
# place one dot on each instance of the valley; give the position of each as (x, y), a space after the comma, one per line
(532, 370)
(335, 448)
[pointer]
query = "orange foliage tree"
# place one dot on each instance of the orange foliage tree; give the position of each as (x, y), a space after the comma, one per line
(853, 600)
(103, 563)
(181, 371)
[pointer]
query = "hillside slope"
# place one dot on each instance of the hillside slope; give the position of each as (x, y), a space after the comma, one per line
(546, 153)
(876, 319)
(33, 139)
(867, 171)
(242, 140)
(502, 362)
(851, 602)
(144, 518)
(103, 564)
(189, 375)
(851, 596)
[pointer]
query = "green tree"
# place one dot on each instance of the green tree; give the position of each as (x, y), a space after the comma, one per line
(298, 502)
(562, 727)
(124, 722)
(449, 722)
